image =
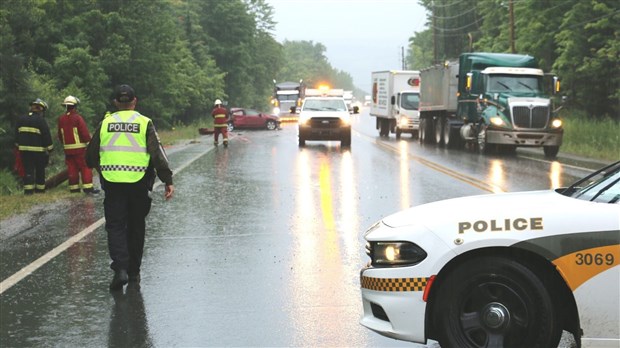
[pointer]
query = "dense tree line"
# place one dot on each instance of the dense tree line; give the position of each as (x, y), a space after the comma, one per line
(305, 60)
(579, 40)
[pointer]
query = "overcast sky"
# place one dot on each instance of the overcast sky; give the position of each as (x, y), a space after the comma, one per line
(360, 36)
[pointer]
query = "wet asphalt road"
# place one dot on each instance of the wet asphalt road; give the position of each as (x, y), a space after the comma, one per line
(261, 246)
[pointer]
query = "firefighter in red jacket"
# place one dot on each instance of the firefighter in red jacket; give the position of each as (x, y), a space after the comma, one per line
(220, 122)
(74, 137)
(34, 142)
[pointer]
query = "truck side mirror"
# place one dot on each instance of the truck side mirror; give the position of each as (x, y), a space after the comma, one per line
(468, 81)
(393, 100)
(292, 109)
(356, 109)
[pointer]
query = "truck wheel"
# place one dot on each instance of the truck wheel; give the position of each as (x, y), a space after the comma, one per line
(483, 147)
(422, 131)
(385, 128)
(447, 130)
(551, 151)
(302, 141)
(398, 132)
(426, 131)
(439, 124)
(495, 302)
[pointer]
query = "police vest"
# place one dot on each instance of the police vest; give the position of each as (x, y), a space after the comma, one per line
(124, 157)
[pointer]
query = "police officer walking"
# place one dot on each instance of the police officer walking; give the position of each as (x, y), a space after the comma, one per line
(126, 150)
(34, 142)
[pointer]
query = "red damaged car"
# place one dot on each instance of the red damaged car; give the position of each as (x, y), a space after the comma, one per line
(248, 118)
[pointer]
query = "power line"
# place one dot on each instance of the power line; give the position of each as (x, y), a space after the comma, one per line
(591, 20)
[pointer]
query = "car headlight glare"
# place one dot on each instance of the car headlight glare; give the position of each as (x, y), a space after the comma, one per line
(395, 253)
(276, 110)
(345, 120)
(556, 123)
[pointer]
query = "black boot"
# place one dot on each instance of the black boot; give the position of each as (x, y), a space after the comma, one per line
(120, 279)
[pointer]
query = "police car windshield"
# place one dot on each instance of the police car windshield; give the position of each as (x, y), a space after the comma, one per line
(602, 186)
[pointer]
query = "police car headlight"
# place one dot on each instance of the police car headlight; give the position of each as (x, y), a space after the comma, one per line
(394, 253)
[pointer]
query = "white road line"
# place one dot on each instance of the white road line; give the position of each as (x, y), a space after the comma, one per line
(29, 269)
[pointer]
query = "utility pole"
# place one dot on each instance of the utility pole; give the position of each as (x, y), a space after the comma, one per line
(512, 26)
(434, 36)
(402, 57)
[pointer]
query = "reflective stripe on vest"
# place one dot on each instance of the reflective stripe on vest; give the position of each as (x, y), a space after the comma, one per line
(123, 147)
(218, 121)
(76, 137)
(29, 130)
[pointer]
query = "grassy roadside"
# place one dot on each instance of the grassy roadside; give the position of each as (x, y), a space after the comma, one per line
(598, 139)
(593, 139)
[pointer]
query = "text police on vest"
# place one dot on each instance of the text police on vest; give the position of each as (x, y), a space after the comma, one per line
(124, 127)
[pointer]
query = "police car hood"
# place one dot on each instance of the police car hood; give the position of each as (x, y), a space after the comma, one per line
(474, 208)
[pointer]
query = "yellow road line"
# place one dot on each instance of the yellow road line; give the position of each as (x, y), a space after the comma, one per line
(444, 170)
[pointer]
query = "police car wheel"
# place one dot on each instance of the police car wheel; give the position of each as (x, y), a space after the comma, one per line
(494, 302)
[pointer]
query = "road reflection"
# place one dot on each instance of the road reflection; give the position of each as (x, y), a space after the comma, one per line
(403, 151)
(555, 175)
(325, 227)
(497, 175)
(128, 323)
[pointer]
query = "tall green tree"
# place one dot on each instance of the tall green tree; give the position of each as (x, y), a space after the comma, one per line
(589, 56)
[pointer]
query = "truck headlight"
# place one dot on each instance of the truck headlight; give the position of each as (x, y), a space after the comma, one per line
(345, 120)
(497, 121)
(556, 123)
(394, 253)
(403, 121)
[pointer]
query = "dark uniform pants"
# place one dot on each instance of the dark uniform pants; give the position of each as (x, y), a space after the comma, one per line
(126, 207)
(34, 169)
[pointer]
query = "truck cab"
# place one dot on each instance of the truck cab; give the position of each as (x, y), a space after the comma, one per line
(405, 111)
(497, 101)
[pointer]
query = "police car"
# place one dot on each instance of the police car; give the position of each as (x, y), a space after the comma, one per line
(502, 270)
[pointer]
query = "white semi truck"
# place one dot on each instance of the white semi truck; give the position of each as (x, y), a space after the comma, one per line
(395, 101)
